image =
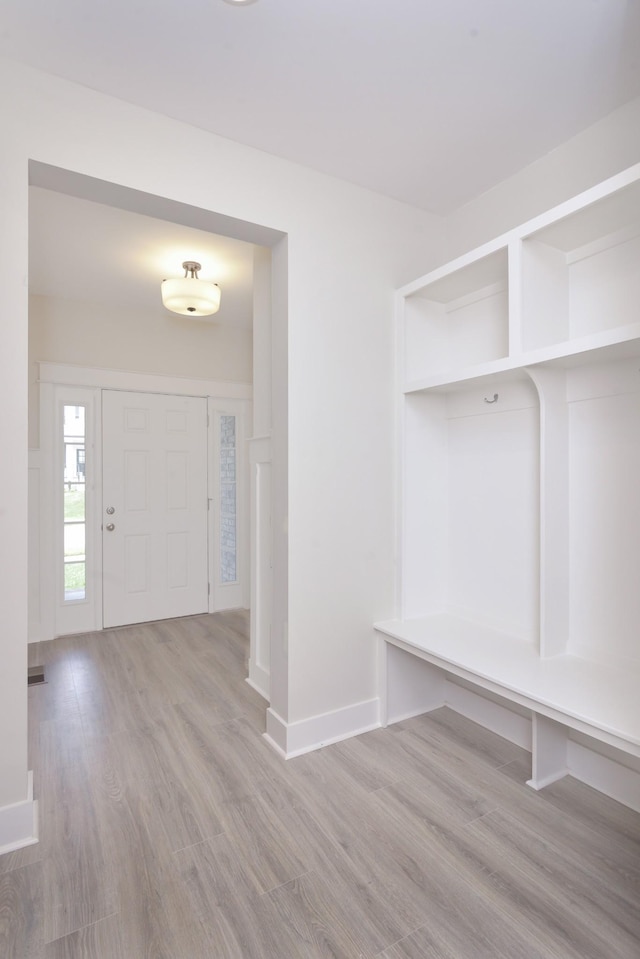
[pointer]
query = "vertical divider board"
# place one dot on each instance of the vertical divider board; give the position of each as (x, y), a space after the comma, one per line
(516, 267)
(554, 510)
(548, 752)
(604, 465)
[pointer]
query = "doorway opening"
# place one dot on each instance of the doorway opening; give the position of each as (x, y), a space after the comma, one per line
(93, 332)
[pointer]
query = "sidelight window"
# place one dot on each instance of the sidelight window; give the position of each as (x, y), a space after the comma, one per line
(228, 499)
(74, 503)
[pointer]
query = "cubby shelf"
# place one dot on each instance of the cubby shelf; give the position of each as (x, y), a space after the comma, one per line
(519, 445)
(458, 317)
(613, 344)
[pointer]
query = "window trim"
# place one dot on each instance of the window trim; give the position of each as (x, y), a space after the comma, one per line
(61, 616)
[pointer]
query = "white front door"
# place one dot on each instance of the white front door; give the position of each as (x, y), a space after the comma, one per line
(154, 506)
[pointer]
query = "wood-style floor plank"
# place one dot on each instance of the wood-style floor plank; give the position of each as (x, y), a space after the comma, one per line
(22, 902)
(612, 909)
(171, 830)
(101, 939)
(319, 922)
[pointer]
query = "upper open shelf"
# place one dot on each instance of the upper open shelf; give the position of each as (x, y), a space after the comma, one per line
(562, 285)
(460, 317)
(580, 273)
(608, 345)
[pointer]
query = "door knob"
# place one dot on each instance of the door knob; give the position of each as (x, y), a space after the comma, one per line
(111, 526)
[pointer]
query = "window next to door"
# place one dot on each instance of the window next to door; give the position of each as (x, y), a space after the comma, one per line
(70, 559)
(74, 504)
(228, 499)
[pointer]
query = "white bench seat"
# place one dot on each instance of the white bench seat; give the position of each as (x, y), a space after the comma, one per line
(562, 692)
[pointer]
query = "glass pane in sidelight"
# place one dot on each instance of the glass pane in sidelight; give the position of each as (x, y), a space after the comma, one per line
(74, 502)
(74, 581)
(228, 524)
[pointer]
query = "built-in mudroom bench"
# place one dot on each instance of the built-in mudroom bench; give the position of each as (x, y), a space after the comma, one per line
(519, 491)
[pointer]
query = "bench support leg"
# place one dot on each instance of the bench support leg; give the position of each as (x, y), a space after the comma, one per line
(548, 751)
(409, 685)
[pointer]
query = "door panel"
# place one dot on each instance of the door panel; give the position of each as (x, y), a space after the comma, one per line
(155, 480)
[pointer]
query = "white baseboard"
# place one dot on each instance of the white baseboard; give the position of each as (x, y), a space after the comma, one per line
(411, 714)
(614, 779)
(487, 712)
(260, 680)
(617, 779)
(19, 822)
(605, 773)
(276, 732)
(294, 739)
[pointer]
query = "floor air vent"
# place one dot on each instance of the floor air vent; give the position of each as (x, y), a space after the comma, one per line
(35, 675)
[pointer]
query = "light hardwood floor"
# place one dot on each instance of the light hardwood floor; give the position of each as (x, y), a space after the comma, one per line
(171, 830)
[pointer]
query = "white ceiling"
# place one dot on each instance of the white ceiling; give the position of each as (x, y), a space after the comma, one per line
(91, 251)
(428, 101)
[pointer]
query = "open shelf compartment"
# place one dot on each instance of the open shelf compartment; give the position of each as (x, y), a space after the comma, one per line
(470, 513)
(580, 275)
(457, 318)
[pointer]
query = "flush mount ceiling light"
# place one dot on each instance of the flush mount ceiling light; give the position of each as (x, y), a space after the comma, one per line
(239, 3)
(189, 295)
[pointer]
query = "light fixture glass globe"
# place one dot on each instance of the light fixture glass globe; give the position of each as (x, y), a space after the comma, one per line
(190, 296)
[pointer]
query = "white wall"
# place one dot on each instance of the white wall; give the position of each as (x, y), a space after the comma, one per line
(597, 153)
(347, 250)
(97, 335)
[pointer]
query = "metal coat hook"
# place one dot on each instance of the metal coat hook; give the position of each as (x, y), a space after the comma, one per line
(494, 400)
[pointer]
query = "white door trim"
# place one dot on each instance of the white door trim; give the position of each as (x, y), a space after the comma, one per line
(57, 617)
(261, 555)
(70, 375)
